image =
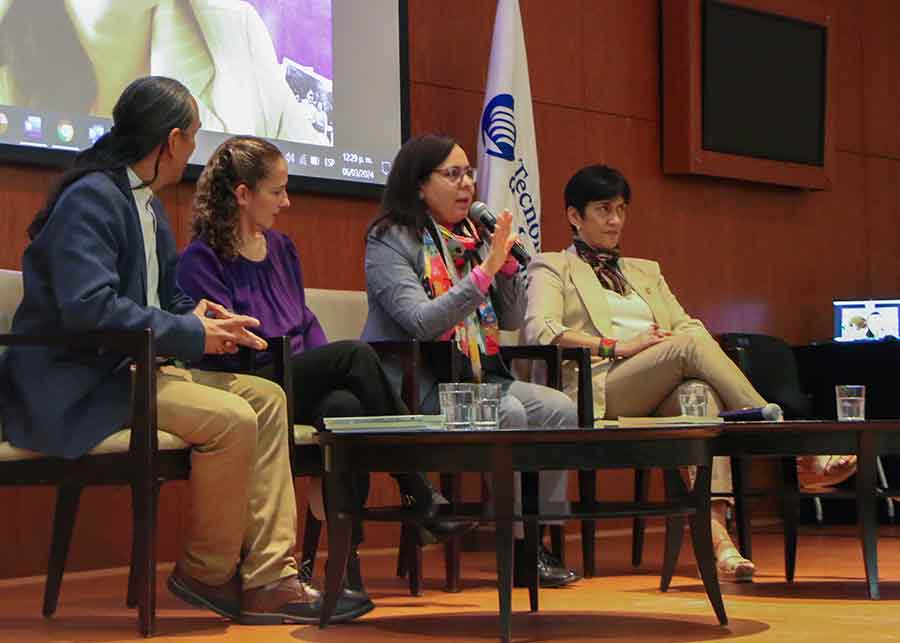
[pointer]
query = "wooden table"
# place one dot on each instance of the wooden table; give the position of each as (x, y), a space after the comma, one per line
(504, 452)
(865, 439)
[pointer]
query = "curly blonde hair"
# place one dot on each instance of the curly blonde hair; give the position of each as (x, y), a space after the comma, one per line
(239, 160)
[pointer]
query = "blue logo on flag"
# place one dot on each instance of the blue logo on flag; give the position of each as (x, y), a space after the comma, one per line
(498, 125)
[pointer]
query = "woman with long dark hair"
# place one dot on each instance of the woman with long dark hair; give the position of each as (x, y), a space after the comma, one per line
(102, 258)
(430, 275)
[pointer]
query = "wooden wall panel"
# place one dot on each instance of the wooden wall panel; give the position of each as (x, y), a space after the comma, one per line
(621, 57)
(881, 90)
(847, 21)
(739, 256)
(882, 219)
(555, 44)
(448, 111)
(450, 42)
(560, 131)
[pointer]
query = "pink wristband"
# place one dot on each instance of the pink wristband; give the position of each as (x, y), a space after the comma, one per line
(509, 268)
(481, 279)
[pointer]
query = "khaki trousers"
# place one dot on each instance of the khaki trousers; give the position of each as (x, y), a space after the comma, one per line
(648, 383)
(242, 510)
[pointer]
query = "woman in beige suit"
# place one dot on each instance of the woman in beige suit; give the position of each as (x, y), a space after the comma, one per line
(645, 344)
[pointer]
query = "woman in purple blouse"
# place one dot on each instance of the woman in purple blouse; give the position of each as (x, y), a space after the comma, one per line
(236, 259)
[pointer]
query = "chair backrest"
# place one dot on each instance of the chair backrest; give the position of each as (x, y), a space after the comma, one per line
(342, 313)
(10, 297)
(770, 365)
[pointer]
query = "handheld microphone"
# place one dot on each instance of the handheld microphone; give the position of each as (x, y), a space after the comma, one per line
(479, 211)
(768, 413)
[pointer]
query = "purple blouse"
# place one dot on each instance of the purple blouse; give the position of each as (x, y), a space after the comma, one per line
(270, 290)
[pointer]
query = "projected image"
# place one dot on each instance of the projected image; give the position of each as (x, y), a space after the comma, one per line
(260, 67)
(866, 320)
(325, 80)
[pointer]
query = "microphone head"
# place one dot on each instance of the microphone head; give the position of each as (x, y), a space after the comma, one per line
(772, 412)
(480, 212)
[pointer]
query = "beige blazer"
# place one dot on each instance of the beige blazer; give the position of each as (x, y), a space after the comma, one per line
(565, 294)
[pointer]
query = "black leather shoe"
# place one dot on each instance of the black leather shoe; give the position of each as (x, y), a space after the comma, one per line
(351, 604)
(551, 573)
(418, 496)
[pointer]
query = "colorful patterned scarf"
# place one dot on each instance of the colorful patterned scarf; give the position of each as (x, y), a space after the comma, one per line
(479, 332)
(605, 264)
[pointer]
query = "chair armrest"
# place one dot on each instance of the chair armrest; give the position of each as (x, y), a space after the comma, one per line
(549, 354)
(140, 345)
(409, 355)
(582, 356)
(280, 349)
(442, 359)
(740, 356)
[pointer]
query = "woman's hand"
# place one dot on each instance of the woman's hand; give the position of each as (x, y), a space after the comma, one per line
(641, 342)
(501, 243)
(224, 331)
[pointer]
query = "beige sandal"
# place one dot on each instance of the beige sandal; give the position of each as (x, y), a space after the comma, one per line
(730, 565)
(815, 472)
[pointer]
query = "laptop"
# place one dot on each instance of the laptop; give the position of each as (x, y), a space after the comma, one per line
(866, 320)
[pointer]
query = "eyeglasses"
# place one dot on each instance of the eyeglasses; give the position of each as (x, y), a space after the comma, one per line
(455, 173)
(606, 208)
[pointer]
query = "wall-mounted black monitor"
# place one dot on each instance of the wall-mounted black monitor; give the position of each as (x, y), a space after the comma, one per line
(326, 80)
(748, 90)
(763, 84)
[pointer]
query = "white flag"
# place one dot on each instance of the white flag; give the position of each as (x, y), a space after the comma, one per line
(508, 176)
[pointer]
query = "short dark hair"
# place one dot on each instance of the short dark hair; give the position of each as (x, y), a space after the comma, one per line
(400, 203)
(596, 183)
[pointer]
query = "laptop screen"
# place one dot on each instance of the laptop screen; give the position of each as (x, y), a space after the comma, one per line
(866, 320)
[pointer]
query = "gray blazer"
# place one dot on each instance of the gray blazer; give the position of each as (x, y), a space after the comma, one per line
(399, 308)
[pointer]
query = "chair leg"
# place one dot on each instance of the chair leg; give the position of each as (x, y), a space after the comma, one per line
(67, 498)
(451, 490)
(587, 490)
(144, 513)
(558, 543)
(312, 530)
(134, 582)
(740, 481)
(413, 563)
(641, 492)
(790, 490)
(402, 553)
(883, 483)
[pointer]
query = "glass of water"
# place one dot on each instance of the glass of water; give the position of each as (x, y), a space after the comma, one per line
(487, 407)
(692, 399)
(457, 403)
(851, 402)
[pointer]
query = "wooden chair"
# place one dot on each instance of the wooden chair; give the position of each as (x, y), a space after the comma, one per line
(587, 480)
(770, 365)
(141, 457)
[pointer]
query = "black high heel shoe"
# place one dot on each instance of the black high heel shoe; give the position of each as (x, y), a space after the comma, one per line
(418, 496)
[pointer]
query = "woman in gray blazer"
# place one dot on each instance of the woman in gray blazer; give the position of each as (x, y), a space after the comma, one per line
(431, 276)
